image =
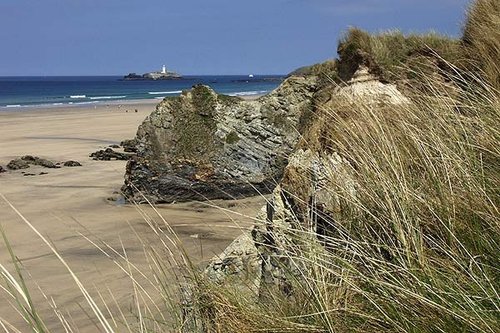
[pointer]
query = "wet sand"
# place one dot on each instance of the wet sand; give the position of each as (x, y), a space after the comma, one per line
(72, 200)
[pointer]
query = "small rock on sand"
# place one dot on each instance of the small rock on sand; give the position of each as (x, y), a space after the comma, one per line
(72, 164)
(39, 161)
(109, 154)
(25, 161)
(18, 164)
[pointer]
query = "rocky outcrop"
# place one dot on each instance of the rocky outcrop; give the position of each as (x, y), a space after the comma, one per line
(129, 146)
(303, 200)
(109, 154)
(27, 160)
(354, 197)
(302, 203)
(202, 145)
(240, 262)
(34, 160)
(17, 164)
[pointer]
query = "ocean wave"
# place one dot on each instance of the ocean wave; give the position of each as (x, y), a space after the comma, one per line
(249, 93)
(83, 103)
(13, 106)
(106, 97)
(164, 92)
(43, 105)
(78, 96)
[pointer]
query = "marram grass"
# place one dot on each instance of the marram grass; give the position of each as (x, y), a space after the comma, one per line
(414, 249)
(417, 247)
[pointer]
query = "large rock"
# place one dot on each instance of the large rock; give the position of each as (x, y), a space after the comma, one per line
(203, 145)
(303, 200)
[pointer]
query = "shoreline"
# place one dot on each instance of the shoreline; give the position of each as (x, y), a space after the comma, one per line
(90, 105)
(66, 108)
(100, 104)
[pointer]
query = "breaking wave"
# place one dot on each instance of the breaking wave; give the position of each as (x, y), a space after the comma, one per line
(106, 97)
(249, 93)
(164, 92)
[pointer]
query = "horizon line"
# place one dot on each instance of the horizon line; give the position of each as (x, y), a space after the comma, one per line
(121, 75)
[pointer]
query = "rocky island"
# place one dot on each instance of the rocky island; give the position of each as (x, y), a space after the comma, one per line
(164, 74)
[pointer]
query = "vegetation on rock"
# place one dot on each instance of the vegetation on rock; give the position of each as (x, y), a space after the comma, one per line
(326, 71)
(392, 55)
(232, 137)
(193, 126)
(387, 217)
(203, 145)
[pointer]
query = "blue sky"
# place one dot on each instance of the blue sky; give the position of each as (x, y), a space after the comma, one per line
(107, 37)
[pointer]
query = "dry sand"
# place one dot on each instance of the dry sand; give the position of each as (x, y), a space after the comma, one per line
(70, 200)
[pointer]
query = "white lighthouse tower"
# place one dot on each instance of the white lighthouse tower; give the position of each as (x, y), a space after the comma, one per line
(164, 70)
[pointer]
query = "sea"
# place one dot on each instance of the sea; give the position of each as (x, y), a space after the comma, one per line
(62, 91)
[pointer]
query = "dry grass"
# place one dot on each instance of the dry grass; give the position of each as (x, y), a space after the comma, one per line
(326, 71)
(411, 244)
(414, 248)
(480, 40)
(393, 56)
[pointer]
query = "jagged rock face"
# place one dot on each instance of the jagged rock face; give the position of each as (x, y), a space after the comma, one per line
(318, 183)
(202, 145)
(241, 262)
(304, 199)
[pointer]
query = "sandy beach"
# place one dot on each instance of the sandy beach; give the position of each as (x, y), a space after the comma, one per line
(70, 200)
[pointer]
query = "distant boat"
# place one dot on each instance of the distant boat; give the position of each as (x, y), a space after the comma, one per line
(250, 75)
